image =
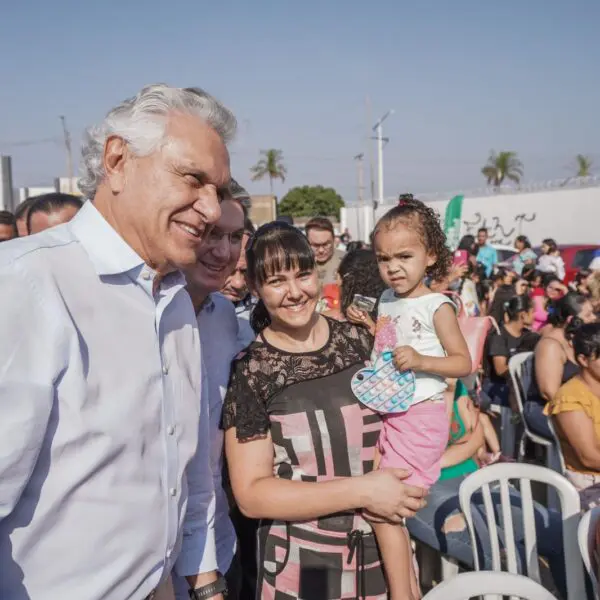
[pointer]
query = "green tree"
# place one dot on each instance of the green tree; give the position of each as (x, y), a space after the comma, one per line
(584, 165)
(501, 166)
(271, 166)
(309, 201)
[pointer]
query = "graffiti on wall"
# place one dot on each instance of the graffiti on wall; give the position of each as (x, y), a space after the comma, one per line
(501, 232)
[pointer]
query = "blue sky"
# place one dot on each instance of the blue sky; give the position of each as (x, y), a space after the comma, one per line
(464, 77)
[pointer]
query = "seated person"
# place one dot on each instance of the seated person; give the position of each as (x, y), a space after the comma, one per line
(554, 360)
(575, 411)
(441, 524)
(514, 337)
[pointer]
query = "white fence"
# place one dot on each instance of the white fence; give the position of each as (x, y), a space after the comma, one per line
(571, 216)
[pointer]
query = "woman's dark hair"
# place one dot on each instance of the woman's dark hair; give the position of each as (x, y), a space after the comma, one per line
(500, 274)
(274, 247)
(49, 203)
(360, 275)
(530, 273)
(586, 341)
(467, 243)
(426, 222)
(524, 240)
(517, 305)
(581, 275)
(548, 278)
(354, 246)
(552, 245)
(563, 312)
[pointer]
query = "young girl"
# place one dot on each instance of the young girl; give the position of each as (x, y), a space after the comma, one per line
(420, 328)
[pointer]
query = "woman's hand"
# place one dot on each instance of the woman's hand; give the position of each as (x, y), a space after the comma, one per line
(360, 317)
(387, 497)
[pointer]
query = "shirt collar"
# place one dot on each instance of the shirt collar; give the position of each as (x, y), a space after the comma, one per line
(109, 252)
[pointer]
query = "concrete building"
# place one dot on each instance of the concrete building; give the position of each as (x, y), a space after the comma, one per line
(568, 212)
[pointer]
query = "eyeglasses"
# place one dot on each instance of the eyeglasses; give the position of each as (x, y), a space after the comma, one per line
(325, 246)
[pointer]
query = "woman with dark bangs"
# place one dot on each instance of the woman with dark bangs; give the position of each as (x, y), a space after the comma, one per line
(300, 448)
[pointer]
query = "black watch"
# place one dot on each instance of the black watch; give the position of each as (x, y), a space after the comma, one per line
(210, 590)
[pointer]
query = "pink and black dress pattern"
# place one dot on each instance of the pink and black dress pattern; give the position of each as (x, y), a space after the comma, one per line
(320, 432)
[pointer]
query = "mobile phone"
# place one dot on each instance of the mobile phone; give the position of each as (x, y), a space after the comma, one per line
(364, 303)
(461, 258)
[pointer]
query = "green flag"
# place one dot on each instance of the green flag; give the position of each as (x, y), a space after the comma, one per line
(452, 221)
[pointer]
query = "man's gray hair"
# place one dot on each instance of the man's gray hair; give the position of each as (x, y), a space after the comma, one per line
(141, 122)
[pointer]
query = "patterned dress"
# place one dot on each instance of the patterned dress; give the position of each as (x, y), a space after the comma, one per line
(320, 432)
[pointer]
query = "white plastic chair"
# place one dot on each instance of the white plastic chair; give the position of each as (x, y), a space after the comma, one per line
(516, 366)
(468, 585)
(587, 540)
(501, 474)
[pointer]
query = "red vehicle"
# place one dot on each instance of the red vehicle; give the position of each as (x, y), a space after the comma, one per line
(577, 257)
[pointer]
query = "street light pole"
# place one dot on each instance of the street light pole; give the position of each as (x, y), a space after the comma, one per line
(359, 166)
(377, 128)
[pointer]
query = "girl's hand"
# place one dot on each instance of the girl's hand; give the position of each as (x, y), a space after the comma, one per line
(360, 317)
(406, 358)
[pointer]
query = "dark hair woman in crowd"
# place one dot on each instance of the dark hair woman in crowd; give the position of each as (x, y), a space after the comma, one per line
(358, 273)
(300, 448)
(515, 336)
(554, 359)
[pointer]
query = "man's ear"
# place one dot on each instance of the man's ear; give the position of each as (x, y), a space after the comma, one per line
(116, 155)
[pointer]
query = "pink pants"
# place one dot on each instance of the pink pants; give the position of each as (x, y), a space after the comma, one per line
(415, 441)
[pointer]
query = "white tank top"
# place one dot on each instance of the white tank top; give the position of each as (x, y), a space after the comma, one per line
(409, 322)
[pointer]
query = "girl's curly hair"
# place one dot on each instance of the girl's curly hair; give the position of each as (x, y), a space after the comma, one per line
(426, 221)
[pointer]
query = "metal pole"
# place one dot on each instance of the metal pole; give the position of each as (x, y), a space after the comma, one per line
(67, 136)
(379, 164)
(359, 166)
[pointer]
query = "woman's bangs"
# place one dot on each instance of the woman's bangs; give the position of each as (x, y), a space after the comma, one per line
(288, 252)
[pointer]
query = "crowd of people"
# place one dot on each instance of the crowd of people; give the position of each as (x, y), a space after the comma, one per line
(181, 416)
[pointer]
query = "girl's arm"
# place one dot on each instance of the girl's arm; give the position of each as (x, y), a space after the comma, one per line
(500, 365)
(456, 363)
(260, 494)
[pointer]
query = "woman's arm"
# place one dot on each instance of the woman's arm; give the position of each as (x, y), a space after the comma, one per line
(549, 366)
(579, 430)
(261, 495)
(473, 439)
(456, 363)
(500, 365)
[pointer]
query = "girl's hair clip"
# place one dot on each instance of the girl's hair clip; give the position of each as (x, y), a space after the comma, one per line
(404, 199)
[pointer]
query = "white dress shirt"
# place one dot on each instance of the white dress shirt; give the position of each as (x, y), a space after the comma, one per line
(218, 326)
(100, 382)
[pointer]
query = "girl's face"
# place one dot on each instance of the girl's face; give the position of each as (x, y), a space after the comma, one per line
(290, 297)
(402, 258)
(554, 291)
(545, 249)
(521, 287)
(519, 245)
(587, 314)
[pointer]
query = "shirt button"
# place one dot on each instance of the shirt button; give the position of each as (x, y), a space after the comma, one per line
(165, 370)
(169, 552)
(170, 430)
(173, 492)
(146, 275)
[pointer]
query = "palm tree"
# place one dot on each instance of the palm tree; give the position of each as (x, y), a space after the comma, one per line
(584, 165)
(501, 166)
(271, 166)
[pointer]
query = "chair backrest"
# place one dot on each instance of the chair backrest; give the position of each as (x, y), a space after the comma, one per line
(482, 583)
(587, 543)
(561, 467)
(500, 475)
(516, 367)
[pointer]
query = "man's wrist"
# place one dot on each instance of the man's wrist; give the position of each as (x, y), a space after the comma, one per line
(217, 587)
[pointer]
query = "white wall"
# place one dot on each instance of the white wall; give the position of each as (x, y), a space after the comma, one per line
(570, 216)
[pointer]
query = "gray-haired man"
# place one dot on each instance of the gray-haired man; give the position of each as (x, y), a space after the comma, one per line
(101, 382)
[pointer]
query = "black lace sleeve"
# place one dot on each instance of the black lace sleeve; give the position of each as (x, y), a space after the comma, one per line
(359, 339)
(243, 407)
